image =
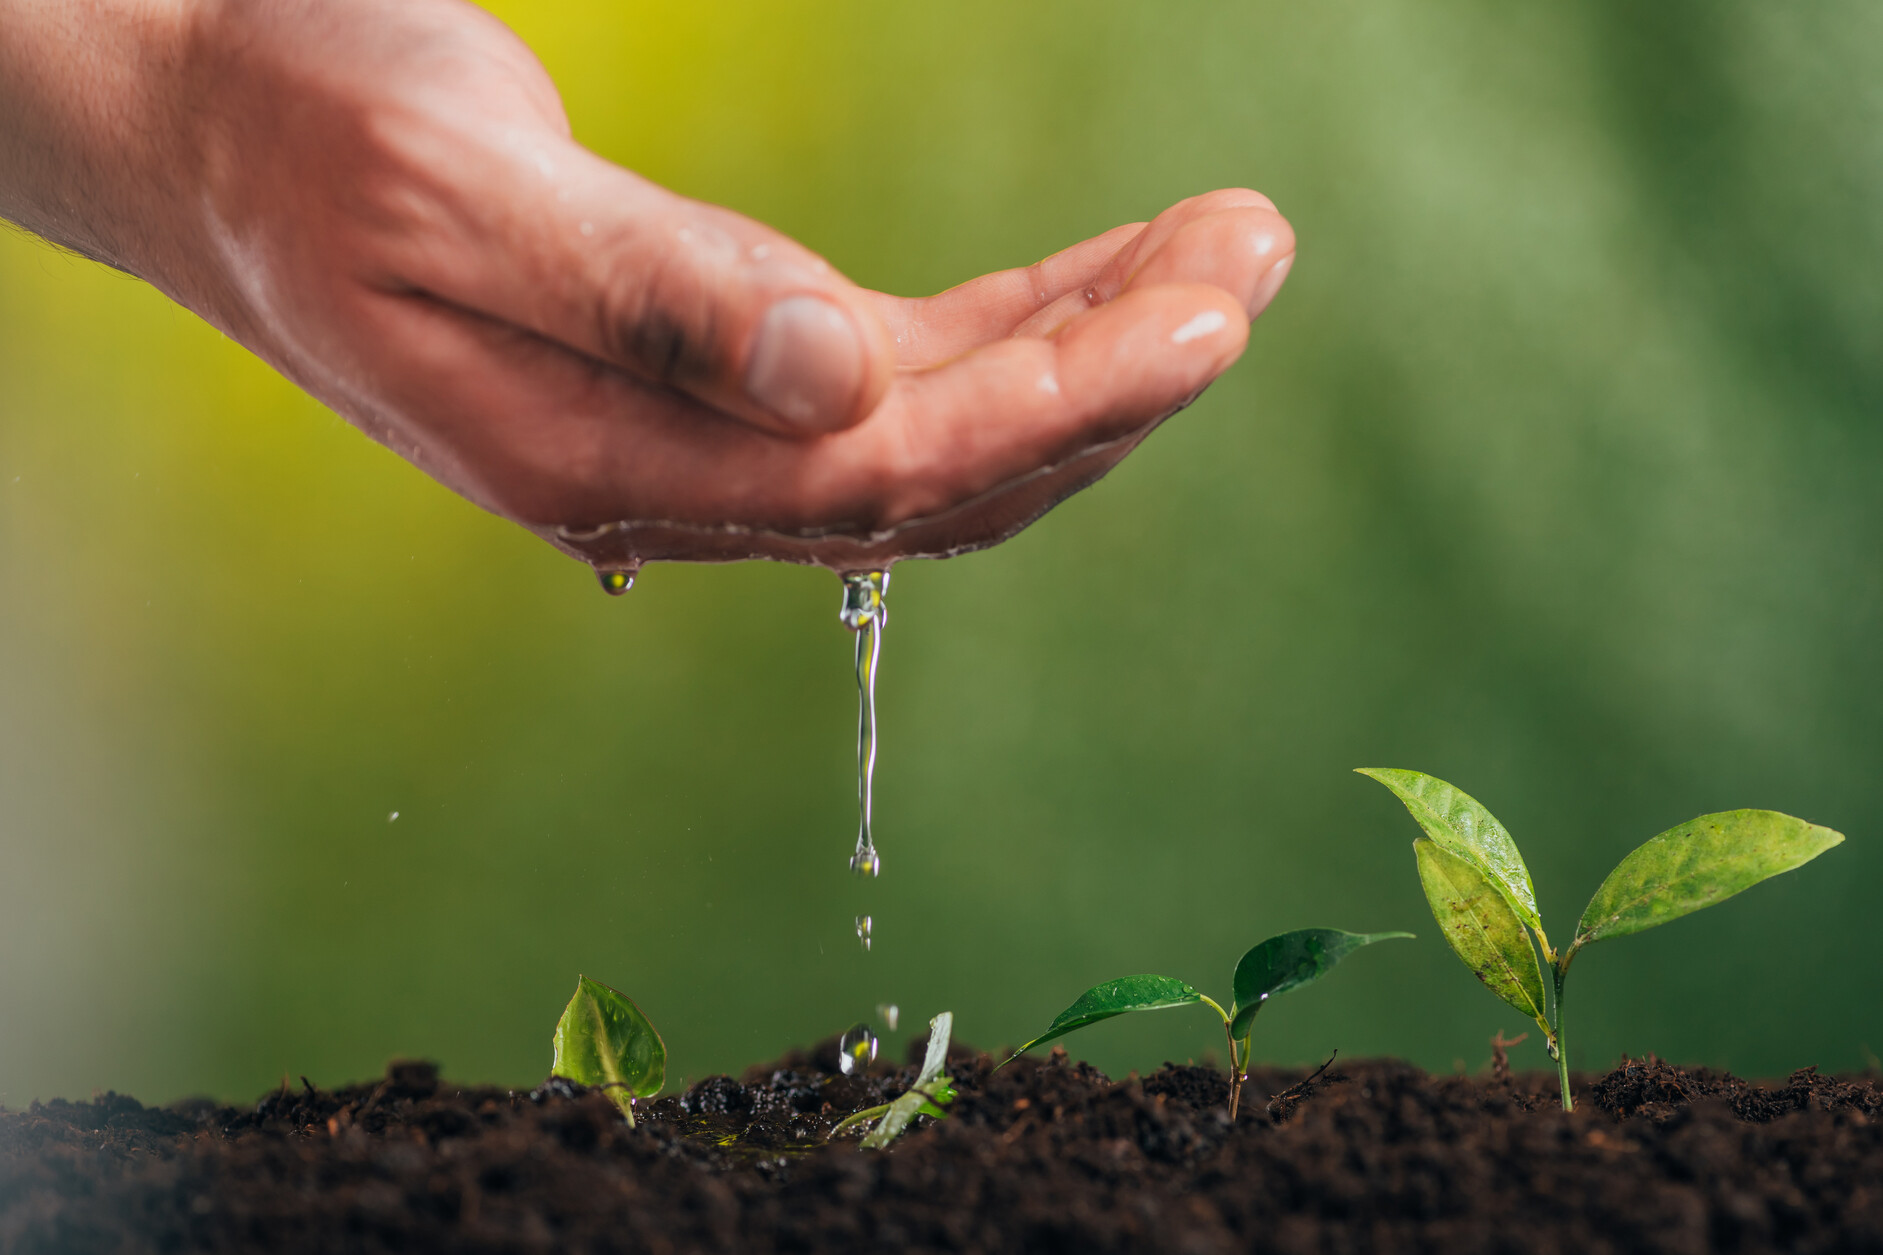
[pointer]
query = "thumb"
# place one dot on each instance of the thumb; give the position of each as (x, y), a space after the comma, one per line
(681, 293)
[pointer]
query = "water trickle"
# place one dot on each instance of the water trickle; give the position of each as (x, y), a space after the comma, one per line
(888, 1013)
(865, 613)
(856, 1050)
(863, 930)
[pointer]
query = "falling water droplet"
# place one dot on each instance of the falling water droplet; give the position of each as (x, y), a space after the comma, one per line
(615, 583)
(863, 598)
(856, 1050)
(888, 1013)
(863, 930)
(865, 613)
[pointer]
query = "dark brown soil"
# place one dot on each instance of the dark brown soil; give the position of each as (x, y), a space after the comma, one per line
(1041, 1156)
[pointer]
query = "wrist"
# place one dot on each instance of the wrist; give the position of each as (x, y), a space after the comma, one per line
(96, 132)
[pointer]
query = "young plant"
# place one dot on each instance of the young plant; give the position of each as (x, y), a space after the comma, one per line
(1481, 895)
(1275, 966)
(604, 1041)
(931, 1092)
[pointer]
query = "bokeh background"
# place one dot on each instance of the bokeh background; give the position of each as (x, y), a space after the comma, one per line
(1556, 471)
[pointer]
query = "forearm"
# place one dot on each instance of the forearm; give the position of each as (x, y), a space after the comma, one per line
(90, 124)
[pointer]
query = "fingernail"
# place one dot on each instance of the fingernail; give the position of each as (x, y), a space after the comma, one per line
(1271, 284)
(806, 365)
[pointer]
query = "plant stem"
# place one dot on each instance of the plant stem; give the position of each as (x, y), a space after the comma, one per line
(1235, 1073)
(1562, 1045)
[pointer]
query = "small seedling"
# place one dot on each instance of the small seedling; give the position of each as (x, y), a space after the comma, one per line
(931, 1092)
(1275, 966)
(604, 1041)
(1481, 895)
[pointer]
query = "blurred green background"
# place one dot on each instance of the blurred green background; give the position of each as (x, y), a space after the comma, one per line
(1556, 470)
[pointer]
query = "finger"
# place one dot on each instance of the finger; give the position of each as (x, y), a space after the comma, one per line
(547, 437)
(1174, 220)
(935, 329)
(1245, 249)
(545, 235)
(932, 330)
(1019, 405)
(1246, 252)
(1019, 440)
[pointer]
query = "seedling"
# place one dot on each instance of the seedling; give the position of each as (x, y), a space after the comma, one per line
(1481, 895)
(604, 1041)
(1275, 966)
(931, 1092)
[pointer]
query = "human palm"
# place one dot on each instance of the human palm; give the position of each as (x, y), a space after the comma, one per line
(386, 203)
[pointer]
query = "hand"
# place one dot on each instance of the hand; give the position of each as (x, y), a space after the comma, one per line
(385, 203)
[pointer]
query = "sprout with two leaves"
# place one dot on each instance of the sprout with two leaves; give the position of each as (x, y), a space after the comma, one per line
(1275, 966)
(1481, 895)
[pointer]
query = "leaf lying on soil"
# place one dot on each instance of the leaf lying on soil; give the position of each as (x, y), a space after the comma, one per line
(931, 1092)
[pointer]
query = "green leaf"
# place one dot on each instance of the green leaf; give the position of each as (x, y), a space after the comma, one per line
(1482, 928)
(604, 1040)
(1456, 821)
(931, 1092)
(1703, 861)
(940, 1029)
(1289, 961)
(1115, 997)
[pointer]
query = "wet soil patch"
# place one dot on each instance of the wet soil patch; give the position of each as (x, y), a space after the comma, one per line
(1048, 1156)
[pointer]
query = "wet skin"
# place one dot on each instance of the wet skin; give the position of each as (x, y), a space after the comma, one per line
(385, 203)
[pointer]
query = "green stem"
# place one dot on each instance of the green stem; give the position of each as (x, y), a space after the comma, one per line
(1235, 1067)
(1562, 1045)
(1235, 1073)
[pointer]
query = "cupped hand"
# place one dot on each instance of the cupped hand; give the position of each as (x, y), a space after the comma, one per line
(385, 202)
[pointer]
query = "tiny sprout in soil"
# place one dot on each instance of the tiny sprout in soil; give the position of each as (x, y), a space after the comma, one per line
(604, 1041)
(931, 1092)
(1481, 895)
(1275, 966)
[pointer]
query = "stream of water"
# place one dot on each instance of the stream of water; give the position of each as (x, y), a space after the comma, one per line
(866, 615)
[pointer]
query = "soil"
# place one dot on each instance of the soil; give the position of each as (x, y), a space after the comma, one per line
(1046, 1156)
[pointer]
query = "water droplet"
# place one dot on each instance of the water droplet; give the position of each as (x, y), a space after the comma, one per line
(863, 930)
(867, 863)
(392, 816)
(863, 598)
(856, 1050)
(888, 1013)
(615, 583)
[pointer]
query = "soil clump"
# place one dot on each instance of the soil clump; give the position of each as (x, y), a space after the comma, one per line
(1042, 1156)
